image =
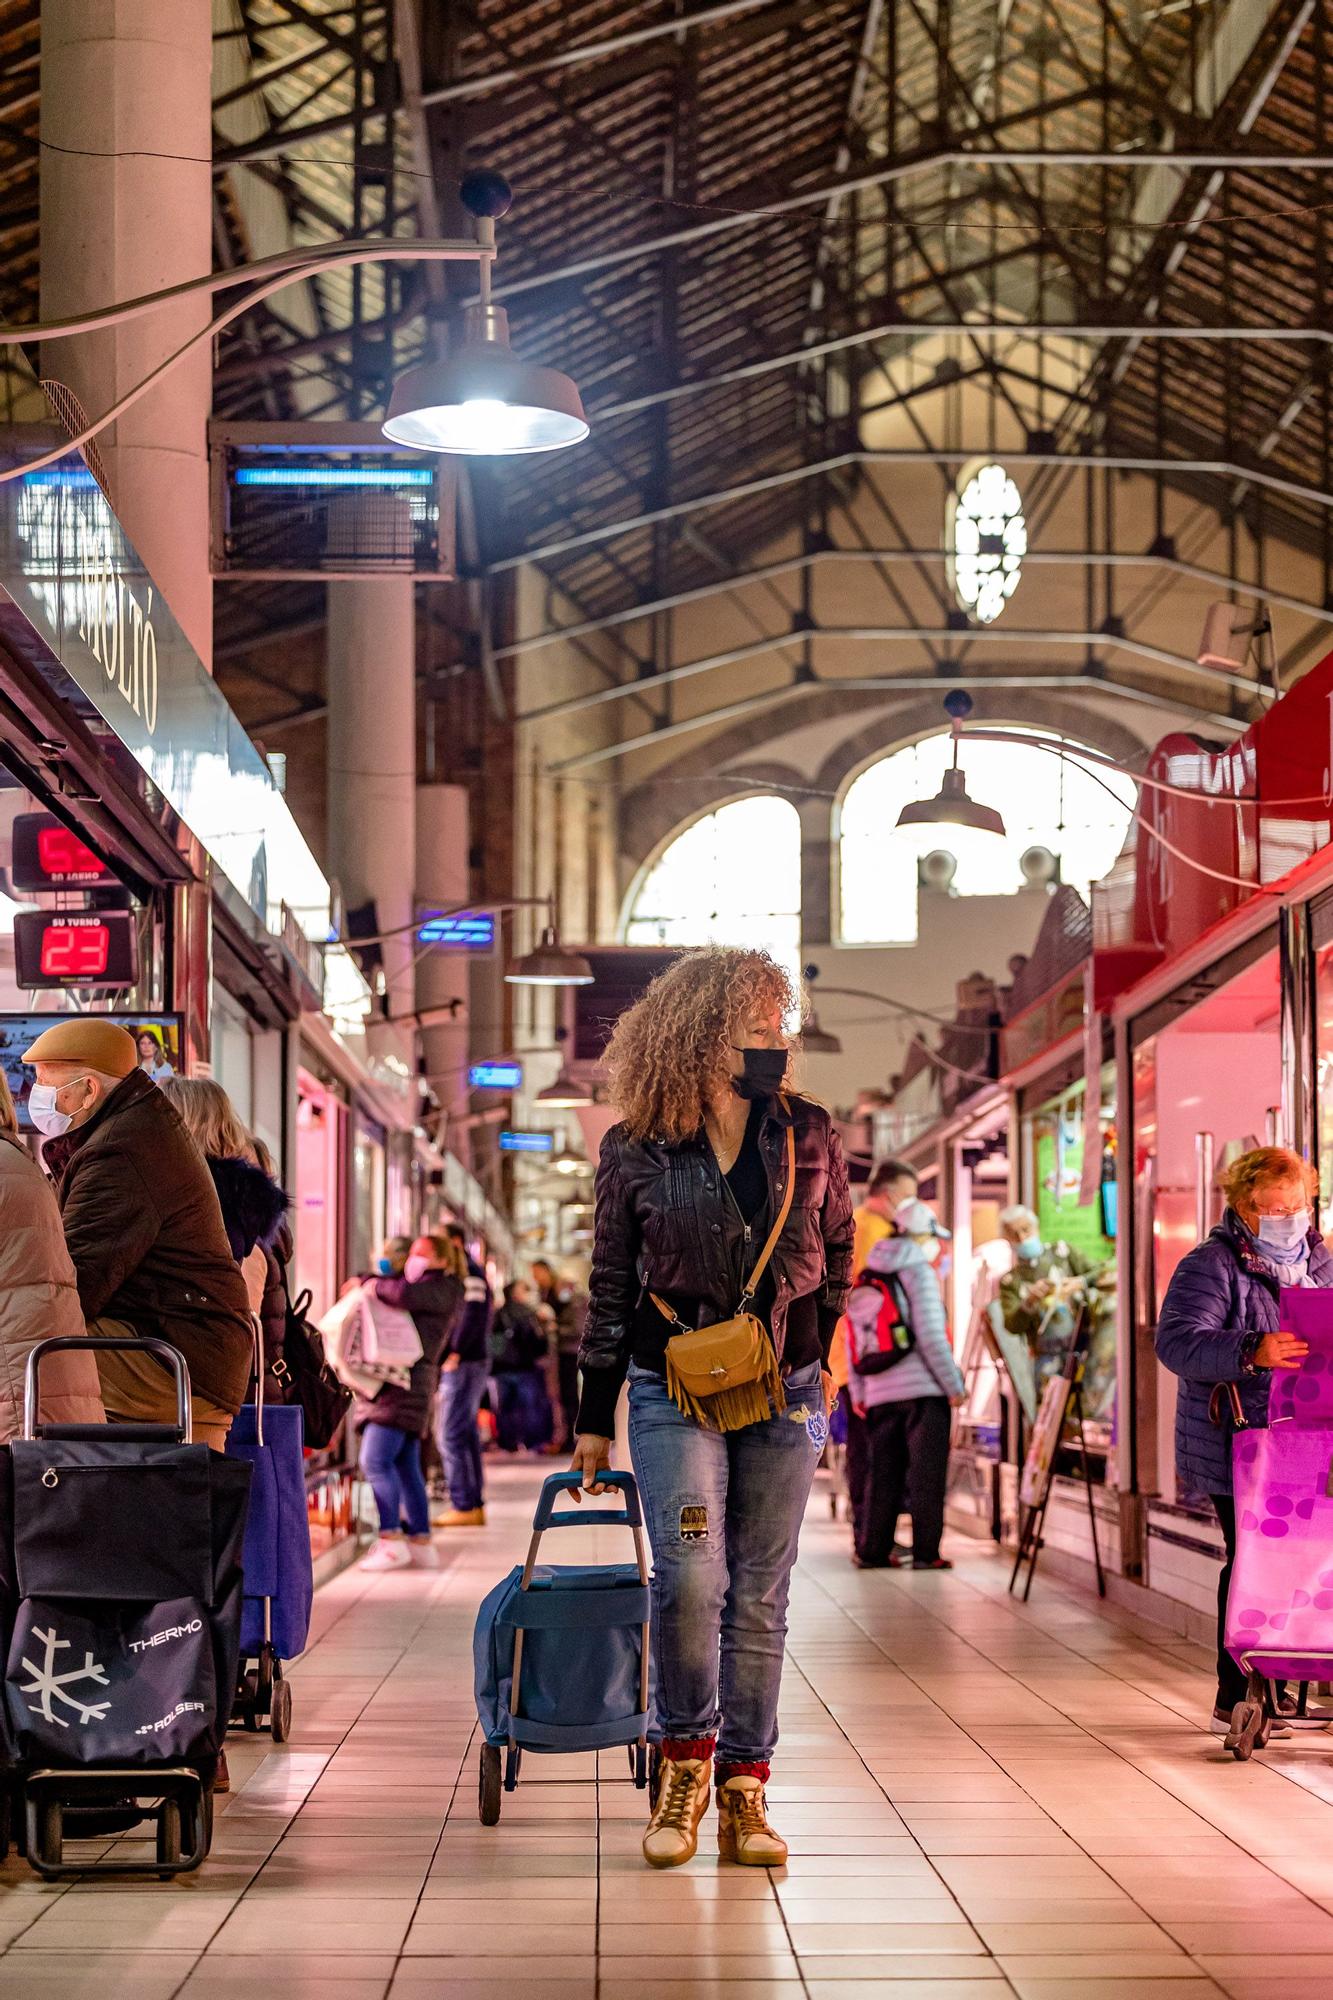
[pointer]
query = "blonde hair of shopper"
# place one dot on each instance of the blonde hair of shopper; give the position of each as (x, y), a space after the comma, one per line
(209, 1117)
(674, 1050)
(1266, 1171)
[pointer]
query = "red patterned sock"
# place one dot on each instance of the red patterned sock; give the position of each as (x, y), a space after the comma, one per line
(688, 1749)
(757, 1770)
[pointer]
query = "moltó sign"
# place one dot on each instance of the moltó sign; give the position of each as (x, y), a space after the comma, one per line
(116, 628)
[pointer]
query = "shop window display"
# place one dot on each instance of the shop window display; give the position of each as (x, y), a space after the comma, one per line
(1063, 1275)
(1207, 1086)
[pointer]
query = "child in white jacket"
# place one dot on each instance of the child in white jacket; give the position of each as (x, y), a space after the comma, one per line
(904, 1381)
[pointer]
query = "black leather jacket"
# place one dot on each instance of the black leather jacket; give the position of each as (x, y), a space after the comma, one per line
(663, 1220)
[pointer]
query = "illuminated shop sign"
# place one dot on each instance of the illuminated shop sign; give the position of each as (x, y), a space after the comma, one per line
(526, 1142)
(496, 1076)
(460, 930)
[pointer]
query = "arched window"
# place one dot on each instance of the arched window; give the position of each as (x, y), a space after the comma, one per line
(733, 877)
(1046, 801)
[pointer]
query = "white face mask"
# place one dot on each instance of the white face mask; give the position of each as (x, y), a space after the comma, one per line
(415, 1269)
(43, 1111)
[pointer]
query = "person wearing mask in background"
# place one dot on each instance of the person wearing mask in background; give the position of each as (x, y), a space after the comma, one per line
(892, 1182)
(1220, 1323)
(254, 1208)
(144, 1228)
(394, 1421)
(518, 1349)
(39, 1296)
(905, 1407)
(691, 1185)
(1030, 1295)
(462, 1386)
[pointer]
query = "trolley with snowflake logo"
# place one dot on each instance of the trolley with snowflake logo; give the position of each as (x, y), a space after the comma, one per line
(120, 1590)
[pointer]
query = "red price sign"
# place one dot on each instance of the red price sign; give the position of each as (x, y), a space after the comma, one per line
(75, 954)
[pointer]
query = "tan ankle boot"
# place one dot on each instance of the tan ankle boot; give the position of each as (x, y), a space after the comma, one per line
(672, 1834)
(743, 1831)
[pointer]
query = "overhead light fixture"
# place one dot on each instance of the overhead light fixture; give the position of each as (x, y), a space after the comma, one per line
(818, 1041)
(565, 1162)
(951, 805)
(482, 400)
(550, 965)
(564, 1094)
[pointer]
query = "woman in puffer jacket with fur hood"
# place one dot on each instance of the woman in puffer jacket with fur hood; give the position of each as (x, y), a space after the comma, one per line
(39, 1298)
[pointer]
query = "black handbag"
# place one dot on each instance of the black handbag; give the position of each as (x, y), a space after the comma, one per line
(301, 1374)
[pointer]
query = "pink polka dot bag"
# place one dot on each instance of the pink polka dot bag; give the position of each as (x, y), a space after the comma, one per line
(1280, 1609)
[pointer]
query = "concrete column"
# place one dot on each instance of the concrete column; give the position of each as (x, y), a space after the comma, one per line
(372, 762)
(442, 878)
(125, 83)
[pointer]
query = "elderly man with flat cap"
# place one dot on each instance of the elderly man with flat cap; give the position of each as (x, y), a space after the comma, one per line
(143, 1226)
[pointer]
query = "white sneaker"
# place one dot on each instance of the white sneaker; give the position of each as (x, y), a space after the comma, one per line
(387, 1553)
(423, 1554)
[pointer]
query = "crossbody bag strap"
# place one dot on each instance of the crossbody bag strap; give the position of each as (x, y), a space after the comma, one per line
(788, 1196)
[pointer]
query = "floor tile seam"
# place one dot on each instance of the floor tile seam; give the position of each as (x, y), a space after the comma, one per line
(1018, 1781)
(1088, 1731)
(401, 1956)
(357, 1599)
(852, 1746)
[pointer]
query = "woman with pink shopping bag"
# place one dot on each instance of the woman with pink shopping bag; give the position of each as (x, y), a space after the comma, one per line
(1219, 1328)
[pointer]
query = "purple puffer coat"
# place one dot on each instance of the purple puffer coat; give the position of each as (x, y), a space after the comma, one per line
(1222, 1297)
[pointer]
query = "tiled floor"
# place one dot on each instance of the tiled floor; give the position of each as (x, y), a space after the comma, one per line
(982, 1800)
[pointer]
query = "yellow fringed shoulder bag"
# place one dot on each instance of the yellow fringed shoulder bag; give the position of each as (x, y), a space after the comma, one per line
(726, 1376)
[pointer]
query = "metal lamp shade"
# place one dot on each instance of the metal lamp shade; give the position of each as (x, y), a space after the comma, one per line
(550, 965)
(818, 1041)
(564, 1094)
(485, 402)
(951, 806)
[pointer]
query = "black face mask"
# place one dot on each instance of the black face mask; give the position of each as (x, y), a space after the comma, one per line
(763, 1073)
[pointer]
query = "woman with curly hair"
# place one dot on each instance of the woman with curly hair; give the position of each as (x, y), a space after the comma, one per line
(711, 1161)
(1220, 1322)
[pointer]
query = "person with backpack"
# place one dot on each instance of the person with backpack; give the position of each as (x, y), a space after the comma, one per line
(905, 1382)
(518, 1348)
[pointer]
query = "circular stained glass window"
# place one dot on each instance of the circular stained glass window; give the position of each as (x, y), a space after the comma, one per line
(987, 541)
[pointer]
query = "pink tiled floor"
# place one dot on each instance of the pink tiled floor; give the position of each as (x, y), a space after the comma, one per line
(982, 1799)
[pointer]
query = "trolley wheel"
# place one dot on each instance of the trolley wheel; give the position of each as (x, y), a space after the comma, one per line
(198, 1832)
(655, 1761)
(1247, 1727)
(50, 1832)
(249, 1700)
(489, 1786)
(638, 1764)
(169, 1849)
(280, 1711)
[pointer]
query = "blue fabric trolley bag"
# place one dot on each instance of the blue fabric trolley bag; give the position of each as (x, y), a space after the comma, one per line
(561, 1653)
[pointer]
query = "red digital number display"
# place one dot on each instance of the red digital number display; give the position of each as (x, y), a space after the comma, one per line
(75, 954)
(62, 855)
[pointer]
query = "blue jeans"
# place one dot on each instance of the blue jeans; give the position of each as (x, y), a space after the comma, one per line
(461, 1391)
(724, 1512)
(524, 1413)
(391, 1462)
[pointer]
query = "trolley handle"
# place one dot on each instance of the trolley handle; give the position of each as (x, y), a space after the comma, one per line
(170, 1357)
(630, 1516)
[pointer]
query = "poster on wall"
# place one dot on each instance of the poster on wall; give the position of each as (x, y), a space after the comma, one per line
(157, 1038)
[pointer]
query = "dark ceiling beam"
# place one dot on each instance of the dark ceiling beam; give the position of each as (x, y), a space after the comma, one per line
(1100, 683)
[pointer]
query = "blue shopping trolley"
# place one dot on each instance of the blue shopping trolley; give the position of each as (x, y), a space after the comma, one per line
(561, 1653)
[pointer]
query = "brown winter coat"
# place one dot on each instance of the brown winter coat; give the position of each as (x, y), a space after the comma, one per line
(146, 1234)
(39, 1300)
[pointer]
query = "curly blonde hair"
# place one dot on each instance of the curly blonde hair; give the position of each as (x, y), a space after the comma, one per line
(1266, 1166)
(672, 1050)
